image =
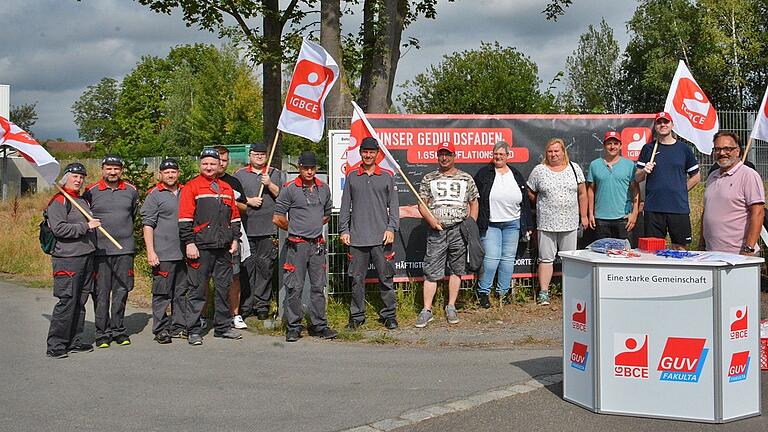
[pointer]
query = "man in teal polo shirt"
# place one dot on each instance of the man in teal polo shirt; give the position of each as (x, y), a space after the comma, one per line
(612, 191)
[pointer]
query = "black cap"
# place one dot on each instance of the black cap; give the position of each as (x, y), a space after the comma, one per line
(307, 159)
(75, 168)
(112, 159)
(259, 147)
(169, 163)
(209, 152)
(369, 143)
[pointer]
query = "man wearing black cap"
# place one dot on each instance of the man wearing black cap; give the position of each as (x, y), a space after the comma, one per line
(72, 260)
(256, 287)
(160, 217)
(302, 208)
(368, 221)
(209, 229)
(115, 202)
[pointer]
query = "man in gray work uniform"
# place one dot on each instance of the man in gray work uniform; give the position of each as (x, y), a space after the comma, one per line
(302, 208)
(256, 288)
(160, 217)
(368, 221)
(115, 202)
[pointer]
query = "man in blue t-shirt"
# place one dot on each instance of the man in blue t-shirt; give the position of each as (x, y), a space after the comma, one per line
(612, 192)
(668, 178)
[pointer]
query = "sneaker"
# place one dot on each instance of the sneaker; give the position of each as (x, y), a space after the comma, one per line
(80, 348)
(238, 323)
(292, 335)
(485, 302)
(353, 324)
(451, 315)
(122, 340)
(179, 334)
(102, 343)
(229, 334)
(390, 323)
(262, 316)
(425, 316)
(163, 337)
(543, 298)
(195, 339)
(325, 333)
(57, 354)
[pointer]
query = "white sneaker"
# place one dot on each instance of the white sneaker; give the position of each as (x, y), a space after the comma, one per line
(238, 323)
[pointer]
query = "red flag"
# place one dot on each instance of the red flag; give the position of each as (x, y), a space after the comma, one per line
(15, 137)
(358, 131)
(693, 115)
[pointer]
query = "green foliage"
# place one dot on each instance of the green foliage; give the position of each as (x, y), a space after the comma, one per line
(489, 80)
(24, 116)
(94, 113)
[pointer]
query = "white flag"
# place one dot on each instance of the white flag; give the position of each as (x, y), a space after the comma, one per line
(314, 75)
(694, 116)
(358, 131)
(15, 137)
(760, 129)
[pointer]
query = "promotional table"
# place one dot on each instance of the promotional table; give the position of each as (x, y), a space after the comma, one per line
(661, 337)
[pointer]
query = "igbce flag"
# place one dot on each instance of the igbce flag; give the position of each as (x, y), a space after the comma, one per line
(693, 115)
(358, 131)
(760, 130)
(14, 136)
(314, 75)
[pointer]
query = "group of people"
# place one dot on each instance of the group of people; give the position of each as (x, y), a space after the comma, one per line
(201, 229)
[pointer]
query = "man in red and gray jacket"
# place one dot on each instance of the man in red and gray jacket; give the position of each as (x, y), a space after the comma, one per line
(209, 230)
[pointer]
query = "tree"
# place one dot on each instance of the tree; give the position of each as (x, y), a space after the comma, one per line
(490, 80)
(593, 71)
(25, 116)
(94, 113)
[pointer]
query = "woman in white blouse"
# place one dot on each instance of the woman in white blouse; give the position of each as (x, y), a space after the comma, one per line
(556, 187)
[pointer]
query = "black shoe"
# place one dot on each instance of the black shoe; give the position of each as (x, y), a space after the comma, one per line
(180, 334)
(506, 300)
(261, 316)
(292, 335)
(80, 348)
(325, 333)
(195, 339)
(57, 354)
(102, 342)
(390, 323)
(163, 337)
(122, 340)
(353, 325)
(485, 302)
(229, 334)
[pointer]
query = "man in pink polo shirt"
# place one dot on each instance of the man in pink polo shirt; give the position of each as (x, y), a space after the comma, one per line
(733, 201)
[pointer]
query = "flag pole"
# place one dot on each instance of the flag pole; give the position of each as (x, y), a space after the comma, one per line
(746, 150)
(87, 215)
(269, 160)
(655, 147)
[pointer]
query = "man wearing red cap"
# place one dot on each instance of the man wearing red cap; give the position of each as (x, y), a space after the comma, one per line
(668, 179)
(612, 191)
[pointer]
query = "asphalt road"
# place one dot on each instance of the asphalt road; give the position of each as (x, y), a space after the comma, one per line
(259, 383)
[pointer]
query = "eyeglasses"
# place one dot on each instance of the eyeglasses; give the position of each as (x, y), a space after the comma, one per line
(724, 149)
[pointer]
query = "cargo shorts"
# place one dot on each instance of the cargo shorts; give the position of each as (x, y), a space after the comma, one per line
(446, 254)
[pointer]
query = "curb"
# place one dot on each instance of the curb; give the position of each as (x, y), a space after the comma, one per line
(454, 405)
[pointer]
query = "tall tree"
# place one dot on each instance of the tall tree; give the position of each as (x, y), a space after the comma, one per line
(593, 71)
(337, 103)
(25, 116)
(94, 113)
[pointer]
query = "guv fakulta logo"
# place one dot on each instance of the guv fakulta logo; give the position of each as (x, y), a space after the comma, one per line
(739, 367)
(579, 355)
(739, 328)
(683, 359)
(691, 102)
(311, 81)
(630, 356)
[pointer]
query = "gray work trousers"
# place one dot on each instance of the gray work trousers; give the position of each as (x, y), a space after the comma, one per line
(256, 283)
(72, 283)
(302, 257)
(169, 288)
(216, 263)
(114, 280)
(359, 259)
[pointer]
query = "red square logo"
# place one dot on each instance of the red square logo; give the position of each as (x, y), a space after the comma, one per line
(633, 139)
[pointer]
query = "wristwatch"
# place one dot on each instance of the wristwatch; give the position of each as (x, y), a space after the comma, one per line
(747, 249)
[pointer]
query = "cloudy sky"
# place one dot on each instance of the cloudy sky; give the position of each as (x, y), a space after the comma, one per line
(53, 49)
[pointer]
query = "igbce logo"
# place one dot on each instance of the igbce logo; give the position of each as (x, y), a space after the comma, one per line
(579, 316)
(630, 356)
(683, 359)
(739, 367)
(739, 323)
(310, 83)
(691, 102)
(633, 140)
(579, 355)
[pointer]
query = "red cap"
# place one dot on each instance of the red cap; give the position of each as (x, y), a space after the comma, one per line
(446, 146)
(663, 115)
(612, 135)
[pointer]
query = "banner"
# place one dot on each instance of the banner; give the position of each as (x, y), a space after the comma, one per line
(314, 75)
(412, 140)
(760, 129)
(693, 115)
(14, 136)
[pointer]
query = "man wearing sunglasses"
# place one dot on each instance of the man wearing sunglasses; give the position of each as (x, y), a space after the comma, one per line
(734, 201)
(668, 179)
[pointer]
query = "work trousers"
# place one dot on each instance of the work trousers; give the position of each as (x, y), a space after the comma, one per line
(169, 288)
(114, 280)
(216, 263)
(382, 258)
(256, 283)
(304, 257)
(72, 283)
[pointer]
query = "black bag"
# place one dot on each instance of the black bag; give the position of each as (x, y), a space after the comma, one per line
(47, 238)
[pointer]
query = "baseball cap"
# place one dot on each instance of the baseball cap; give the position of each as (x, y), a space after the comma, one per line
(663, 115)
(75, 168)
(169, 163)
(112, 159)
(209, 152)
(612, 135)
(446, 146)
(307, 159)
(369, 143)
(258, 147)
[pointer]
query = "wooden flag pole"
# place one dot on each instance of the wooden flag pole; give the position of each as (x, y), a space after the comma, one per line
(88, 216)
(269, 160)
(746, 150)
(655, 147)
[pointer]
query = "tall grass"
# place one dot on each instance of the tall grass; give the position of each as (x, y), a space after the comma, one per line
(20, 252)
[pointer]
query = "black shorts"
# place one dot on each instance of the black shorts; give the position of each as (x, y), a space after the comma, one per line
(677, 225)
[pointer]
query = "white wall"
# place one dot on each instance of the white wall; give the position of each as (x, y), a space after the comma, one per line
(5, 100)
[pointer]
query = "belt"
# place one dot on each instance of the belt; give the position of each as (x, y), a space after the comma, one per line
(300, 239)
